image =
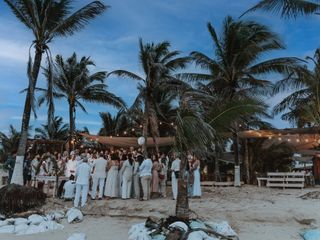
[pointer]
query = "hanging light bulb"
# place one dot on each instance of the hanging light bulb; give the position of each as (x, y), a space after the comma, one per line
(270, 137)
(280, 139)
(132, 130)
(298, 140)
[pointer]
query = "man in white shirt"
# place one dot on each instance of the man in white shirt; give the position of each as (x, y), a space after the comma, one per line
(69, 189)
(145, 170)
(82, 182)
(99, 175)
(175, 168)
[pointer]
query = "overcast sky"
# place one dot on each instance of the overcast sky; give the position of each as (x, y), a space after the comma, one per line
(112, 43)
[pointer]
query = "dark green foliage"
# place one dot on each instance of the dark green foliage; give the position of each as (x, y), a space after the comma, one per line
(16, 199)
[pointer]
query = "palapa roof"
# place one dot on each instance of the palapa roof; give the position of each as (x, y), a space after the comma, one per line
(127, 141)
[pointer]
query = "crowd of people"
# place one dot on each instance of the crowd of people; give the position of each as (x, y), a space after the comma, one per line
(108, 174)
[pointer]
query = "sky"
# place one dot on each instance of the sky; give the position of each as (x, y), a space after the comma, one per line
(111, 41)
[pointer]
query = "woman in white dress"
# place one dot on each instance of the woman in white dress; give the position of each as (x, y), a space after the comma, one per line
(112, 184)
(196, 178)
(136, 178)
(126, 173)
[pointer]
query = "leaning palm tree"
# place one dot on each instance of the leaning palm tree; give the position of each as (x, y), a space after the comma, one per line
(288, 8)
(47, 20)
(237, 70)
(302, 107)
(73, 81)
(54, 130)
(159, 64)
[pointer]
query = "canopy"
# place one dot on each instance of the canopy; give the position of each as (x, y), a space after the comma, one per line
(127, 141)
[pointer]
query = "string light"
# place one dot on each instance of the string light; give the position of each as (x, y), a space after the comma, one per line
(270, 137)
(117, 135)
(132, 129)
(125, 132)
(279, 138)
(289, 140)
(160, 123)
(307, 140)
(298, 140)
(171, 124)
(110, 136)
(140, 126)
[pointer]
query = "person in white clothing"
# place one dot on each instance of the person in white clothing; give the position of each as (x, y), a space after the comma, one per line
(175, 169)
(99, 176)
(126, 172)
(69, 189)
(34, 168)
(145, 170)
(196, 188)
(82, 183)
(71, 165)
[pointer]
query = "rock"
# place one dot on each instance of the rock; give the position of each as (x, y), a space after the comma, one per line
(35, 219)
(74, 215)
(3, 223)
(180, 225)
(7, 229)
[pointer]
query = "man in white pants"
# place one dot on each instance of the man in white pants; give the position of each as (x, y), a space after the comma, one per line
(145, 176)
(99, 175)
(175, 168)
(82, 182)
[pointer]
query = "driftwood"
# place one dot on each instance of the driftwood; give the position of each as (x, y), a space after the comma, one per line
(27, 214)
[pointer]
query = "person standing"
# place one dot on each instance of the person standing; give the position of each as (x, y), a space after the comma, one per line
(196, 188)
(71, 165)
(99, 176)
(136, 178)
(126, 173)
(145, 176)
(112, 184)
(156, 167)
(175, 169)
(9, 164)
(82, 182)
(34, 168)
(163, 176)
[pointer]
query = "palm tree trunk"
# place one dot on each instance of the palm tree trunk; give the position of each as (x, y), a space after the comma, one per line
(236, 160)
(246, 160)
(145, 127)
(216, 167)
(17, 176)
(71, 123)
(182, 203)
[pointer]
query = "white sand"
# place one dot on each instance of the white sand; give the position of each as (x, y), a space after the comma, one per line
(255, 213)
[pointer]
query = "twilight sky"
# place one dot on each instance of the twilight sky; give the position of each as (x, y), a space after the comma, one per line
(112, 42)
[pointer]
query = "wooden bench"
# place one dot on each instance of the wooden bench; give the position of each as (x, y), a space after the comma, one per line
(286, 179)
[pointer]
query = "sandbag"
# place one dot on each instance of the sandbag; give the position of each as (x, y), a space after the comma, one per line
(180, 225)
(77, 236)
(222, 228)
(21, 228)
(33, 229)
(35, 219)
(197, 224)
(74, 215)
(200, 235)
(18, 221)
(7, 229)
(56, 216)
(50, 226)
(313, 234)
(139, 232)
(4, 223)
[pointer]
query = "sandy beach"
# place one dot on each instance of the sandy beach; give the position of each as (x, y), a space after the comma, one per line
(254, 213)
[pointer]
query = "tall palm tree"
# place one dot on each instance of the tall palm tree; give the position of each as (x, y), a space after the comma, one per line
(237, 70)
(47, 20)
(159, 64)
(54, 130)
(73, 81)
(115, 125)
(288, 8)
(303, 105)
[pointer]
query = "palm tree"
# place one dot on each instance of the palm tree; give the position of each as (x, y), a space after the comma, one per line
(47, 19)
(303, 104)
(73, 81)
(9, 142)
(159, 65)
(115, 125)
(287, 8)
(237, 70)
(55, 130)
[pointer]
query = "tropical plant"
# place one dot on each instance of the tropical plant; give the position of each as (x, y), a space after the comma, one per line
(159, 64)
(303, 104)
(47, 20)
(288, 8)
(115, 125)
(73, 81)
(237, 70)
(55, 130)
(9, 142)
